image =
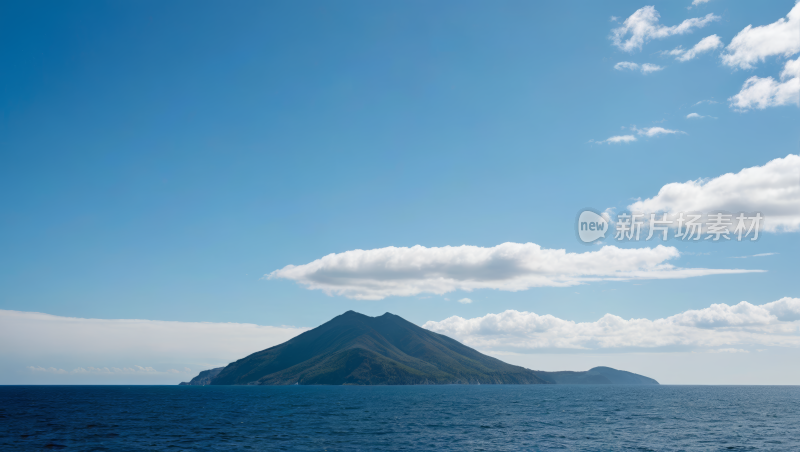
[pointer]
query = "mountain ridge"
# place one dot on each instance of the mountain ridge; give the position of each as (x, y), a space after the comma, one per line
(600, 375)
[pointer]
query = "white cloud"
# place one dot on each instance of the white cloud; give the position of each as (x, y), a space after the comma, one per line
(51, 370)
(698, 116)
(699, 2)
(772, 189)
(729, 350)
(645, 68)
(648, 68)
(760, 93)
(399, 271)
(752, 45)
(465, 301)
(106, 348)
(643, 26)
(646, 132)
(705, 45)
(720, 325)
(754, 255)
(655, 131)
(616, 139)
(626, 65)
(791, 70)
(705, 101)
(110, 371)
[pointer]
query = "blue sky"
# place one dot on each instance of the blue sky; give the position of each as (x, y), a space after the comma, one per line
(157, 160)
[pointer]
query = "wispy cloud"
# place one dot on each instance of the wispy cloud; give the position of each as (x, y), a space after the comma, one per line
(655, 131)
(616, 139)
(704, 101)
(772, 190)
(648, 132)
(754, 255)
(720, 325)
(643, 26)
(706, 44)
(465, 301)
(698, 116)
(645, 68)
(398, 271)
(697, 3)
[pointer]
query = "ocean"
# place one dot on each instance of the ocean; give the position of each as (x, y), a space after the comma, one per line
(417, 418)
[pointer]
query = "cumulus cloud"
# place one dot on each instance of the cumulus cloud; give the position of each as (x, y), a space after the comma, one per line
(645, 68)
(720, 325)
(643, 26)
(753, 45)
(399, 271)
(706, 44)
(762, 92)
(772, 189)
(699, 2)
(791, 69)
(164, 351)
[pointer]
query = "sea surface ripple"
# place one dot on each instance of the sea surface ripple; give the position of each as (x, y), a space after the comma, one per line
(419, 418)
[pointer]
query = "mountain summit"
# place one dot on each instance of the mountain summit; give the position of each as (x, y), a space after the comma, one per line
(360, 350)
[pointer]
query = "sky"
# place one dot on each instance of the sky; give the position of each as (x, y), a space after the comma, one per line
(186, 183)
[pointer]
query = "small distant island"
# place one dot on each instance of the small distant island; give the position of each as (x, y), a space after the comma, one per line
(355, 349)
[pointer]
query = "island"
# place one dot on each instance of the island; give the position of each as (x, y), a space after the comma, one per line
(355, 349)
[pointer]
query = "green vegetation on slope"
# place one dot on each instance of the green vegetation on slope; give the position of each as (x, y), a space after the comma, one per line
(357, 349)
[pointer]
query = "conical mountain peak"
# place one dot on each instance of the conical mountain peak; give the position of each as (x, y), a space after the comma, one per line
(354, 348)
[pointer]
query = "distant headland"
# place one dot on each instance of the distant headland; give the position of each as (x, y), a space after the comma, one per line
(355, 349)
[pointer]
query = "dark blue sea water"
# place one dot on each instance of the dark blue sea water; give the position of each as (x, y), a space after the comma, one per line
(442, 418)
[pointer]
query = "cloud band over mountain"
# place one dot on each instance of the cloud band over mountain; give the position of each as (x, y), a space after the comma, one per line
(143, 351)
(62, 349)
